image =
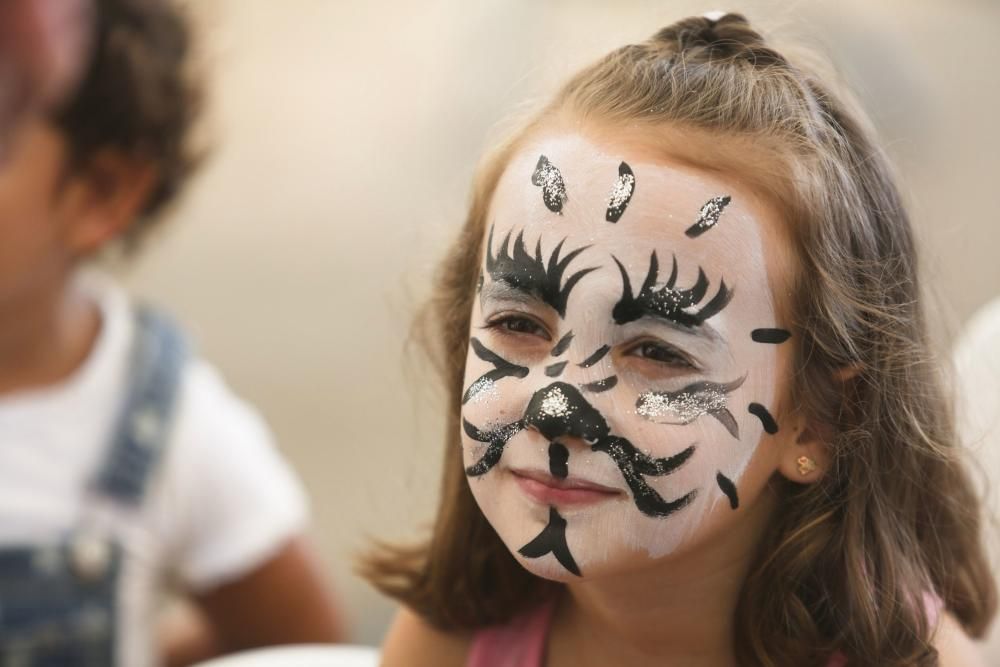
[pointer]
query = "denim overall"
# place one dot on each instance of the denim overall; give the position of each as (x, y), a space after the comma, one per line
(59, 601)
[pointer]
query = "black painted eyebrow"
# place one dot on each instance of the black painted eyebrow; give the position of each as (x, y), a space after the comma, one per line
(531, 274)
(670, 304)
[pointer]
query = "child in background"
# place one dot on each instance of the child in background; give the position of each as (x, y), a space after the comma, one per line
(126, 464)
(693, 417)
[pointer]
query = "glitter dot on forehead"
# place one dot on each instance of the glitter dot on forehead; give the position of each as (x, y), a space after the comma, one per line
(553, 187)
(622, 190)
(621, 193)
(708, 217)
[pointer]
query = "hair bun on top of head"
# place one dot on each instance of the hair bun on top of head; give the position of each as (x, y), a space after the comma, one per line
(719, 35)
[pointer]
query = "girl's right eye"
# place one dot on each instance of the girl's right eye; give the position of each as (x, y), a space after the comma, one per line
(518, 325)
(661, 354)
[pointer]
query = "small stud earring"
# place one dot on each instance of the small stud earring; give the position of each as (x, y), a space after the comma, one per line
(806, 465)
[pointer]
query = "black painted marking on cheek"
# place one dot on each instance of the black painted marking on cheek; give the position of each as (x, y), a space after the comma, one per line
(548, 176)
(690, 403)
(558, 460)
(668, 302)
(761, 413)
(552, 540)
(633, 464)
(555, 370)
(502, 368)
(595, 357)
(497, 439)
(708, 217)
(530, 274)
(601, 385)
(725, 417)
(772, 336)
(562, 345)
(729, 489)
(621, 193)
(561, 410)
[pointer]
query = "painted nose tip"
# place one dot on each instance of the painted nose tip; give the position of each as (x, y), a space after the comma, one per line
(561, 410)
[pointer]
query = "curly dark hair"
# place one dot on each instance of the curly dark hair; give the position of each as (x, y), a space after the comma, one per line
(136, 97)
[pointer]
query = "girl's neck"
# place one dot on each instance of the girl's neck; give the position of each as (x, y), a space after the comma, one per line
(45, 335)
(676, 611)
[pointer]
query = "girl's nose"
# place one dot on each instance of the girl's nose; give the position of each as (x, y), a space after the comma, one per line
(560, 410)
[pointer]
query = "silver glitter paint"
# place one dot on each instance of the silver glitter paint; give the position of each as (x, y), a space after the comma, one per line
(556, 404)
(686, 405)
(622, 191)
(548, 176)
(483, 390)
(708, 217)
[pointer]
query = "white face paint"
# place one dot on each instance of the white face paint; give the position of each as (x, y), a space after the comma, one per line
(650, 433)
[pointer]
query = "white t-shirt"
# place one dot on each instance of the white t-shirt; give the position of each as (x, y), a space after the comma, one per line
(977, 363)
(220, 502)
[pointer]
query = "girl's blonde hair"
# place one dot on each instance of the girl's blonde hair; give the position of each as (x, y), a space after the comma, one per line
(847, 560)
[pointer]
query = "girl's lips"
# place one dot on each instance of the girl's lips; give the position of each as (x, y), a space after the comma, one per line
(549, 490)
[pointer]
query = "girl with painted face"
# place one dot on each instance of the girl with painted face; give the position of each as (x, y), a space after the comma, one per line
(692, 419)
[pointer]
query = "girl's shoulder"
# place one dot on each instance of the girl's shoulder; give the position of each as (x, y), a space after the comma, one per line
(955, 647)
(520, 642)
(412, 642)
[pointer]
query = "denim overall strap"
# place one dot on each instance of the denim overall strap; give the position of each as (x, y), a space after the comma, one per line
(59, 601)
(158, 357)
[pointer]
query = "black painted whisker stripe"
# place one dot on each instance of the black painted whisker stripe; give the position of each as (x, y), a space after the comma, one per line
(595, 357)
(552, 540)
(555, 370)
(489, 356)
(562, 345)
(729, 489)
(761, 413)
(502, 368)
(772, 336)
(725, 417)
(601, 385)
(496, 438)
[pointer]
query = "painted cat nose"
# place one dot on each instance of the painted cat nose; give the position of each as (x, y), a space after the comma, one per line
(560, 410)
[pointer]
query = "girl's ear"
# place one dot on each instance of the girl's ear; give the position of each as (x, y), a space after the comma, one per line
(805, 457)
(102, 198)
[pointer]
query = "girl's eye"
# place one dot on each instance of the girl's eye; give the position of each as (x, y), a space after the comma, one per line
(519, 325)
(663, 354)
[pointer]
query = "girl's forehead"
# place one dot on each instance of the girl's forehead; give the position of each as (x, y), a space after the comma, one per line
(625, 201)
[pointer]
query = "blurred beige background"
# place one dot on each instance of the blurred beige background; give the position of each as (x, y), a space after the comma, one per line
(345, 135)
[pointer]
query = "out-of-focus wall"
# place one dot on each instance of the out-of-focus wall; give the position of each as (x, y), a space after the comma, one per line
(344, 138)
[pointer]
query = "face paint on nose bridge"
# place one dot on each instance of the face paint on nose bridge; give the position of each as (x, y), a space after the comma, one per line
(560, 410)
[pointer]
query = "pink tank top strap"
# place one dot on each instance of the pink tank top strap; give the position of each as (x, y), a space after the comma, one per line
(518, 643)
